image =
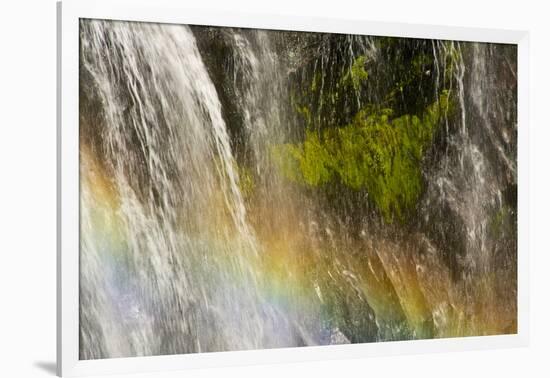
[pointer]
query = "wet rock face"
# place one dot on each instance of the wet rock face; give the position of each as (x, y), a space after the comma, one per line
(216, 46)
(247, 189)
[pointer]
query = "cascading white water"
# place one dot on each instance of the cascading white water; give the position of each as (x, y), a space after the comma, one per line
(260, 92)
(167, 274)
(466, 183)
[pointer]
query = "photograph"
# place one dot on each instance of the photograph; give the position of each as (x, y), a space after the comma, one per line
(288, 189)
(245, 189)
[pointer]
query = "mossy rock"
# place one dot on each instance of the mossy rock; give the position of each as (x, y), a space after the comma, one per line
(376, 153)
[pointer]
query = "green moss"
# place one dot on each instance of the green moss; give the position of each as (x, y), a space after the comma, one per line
(501, 222)
(376, 153)
(315, 82)
(305, 113)
(246, 181)
(329, 95)
(356, 75)
(451, 61)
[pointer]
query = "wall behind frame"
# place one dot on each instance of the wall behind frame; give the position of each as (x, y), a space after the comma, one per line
(27, 193)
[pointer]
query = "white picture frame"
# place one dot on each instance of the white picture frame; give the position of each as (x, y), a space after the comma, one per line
(172, 11)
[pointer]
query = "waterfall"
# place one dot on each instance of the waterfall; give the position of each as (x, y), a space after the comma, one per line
(468, 188)
(215, 214)
(260, 91)
(162, 133)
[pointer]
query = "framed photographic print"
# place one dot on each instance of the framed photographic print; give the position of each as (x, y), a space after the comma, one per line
(238, 189)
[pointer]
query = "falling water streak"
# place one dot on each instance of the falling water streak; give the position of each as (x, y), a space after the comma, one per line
(260, 92)
(187, 135)
(470, 188)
